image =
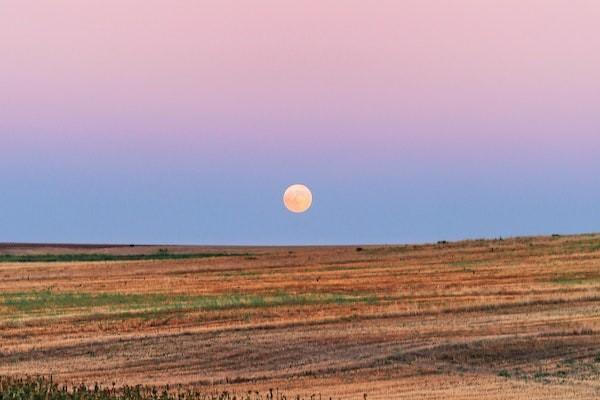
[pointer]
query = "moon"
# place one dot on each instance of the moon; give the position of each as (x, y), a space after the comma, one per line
(297, 198)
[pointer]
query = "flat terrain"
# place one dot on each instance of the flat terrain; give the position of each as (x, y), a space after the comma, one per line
(497, 319)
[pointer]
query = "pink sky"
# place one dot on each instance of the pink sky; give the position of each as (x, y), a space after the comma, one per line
(418, 72)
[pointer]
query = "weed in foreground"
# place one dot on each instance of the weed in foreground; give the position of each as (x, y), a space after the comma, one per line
(34, 388)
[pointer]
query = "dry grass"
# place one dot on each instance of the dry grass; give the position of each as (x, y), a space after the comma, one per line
(500, 319)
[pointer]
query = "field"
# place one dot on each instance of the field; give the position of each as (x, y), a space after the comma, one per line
(481, 319)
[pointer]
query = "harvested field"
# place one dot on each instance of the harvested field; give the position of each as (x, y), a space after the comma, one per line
(495, 319)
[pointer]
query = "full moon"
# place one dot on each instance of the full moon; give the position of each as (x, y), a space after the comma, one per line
(297, 198)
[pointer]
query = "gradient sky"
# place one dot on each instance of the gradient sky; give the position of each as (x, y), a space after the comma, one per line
(184, 121)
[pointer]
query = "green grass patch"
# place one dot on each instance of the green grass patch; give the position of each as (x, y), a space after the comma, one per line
(541, 375)
(56, 303)
(504, 373)
(90, 257)
(344, 268)
(576, 280)
(588, 245)
(466, 263)
(27, 302)
(390, 249)
(242, 273)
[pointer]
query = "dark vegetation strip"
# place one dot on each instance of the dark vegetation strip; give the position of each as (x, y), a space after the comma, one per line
(161, 255)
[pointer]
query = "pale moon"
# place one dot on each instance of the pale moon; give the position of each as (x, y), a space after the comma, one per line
(297, 198)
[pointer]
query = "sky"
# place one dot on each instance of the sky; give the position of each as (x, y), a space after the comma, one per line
(411, 121)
